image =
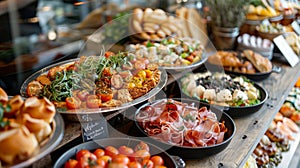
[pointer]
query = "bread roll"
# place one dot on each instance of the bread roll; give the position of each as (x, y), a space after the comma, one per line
(261, 63)
(138, 15)
(15, 103)
(38, 127)
(17, 144)
(3, 96)
(39, 108)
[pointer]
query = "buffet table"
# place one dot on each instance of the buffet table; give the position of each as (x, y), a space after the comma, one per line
(249, 129)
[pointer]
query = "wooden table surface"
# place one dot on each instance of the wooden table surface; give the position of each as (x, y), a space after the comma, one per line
(249, 129)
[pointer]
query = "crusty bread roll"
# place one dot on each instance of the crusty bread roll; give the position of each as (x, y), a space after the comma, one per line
(15, 103)
(38, 127)
(261, 63)
(3, 96)
(182, 14)
(225, 58)
(17, 144)
(138, 15)
(39, 108)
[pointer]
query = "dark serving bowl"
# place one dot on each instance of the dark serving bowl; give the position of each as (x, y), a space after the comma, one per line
(237, 111)
(186, 152)
(169, 161)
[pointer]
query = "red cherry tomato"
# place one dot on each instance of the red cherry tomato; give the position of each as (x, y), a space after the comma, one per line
(125, 150)
(134, 165)
(71, 163)
(108, 54)
(73, 103)
(147, 164)
(119, 158)
(111, 151)
(99, 153)
(101, 163)
(141, 146)
(157, 160)
(87, 161)
(82, 153)
(93, 101)
(106, 158)
(82, 95)
(116, 165)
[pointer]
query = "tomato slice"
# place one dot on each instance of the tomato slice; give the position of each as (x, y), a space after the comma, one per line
(82, 95)
(93, 101)
(34, 88)
(73, 103)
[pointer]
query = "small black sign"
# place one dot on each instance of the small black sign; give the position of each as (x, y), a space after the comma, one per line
(93, 126)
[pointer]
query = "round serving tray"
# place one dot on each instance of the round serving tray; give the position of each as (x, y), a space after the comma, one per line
(48, 145)
(187, 152)
(150, 94)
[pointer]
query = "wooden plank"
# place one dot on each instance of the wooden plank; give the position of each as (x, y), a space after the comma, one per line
(254, 126)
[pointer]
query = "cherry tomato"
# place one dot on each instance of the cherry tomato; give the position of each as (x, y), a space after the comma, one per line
(111, 151)
(134, 164)
(147, 164)
(101, 163)
(34, 88)
(73, 102)
(141, 155)
(93, 101)
(148, 73)
(87, 161)
(116, 165)
(71, 68)
(117, 81)
(71, 163)
(105, 94)
(108, 54)
(157, 160)
(141, 145)
(82, 153)
(139, 65)
(190, 58)
(99, 153)
(82, 95)
(121, 159)
(125, 150)
(106, 158)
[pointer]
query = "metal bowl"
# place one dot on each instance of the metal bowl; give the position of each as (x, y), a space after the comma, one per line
(169, 161)
(186, 152)
(47, 145)
(151, 93)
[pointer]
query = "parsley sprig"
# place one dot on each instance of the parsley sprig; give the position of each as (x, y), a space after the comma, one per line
(4, 109)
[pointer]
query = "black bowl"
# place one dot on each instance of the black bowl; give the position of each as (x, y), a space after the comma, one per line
(236, 111)
(169, 161)
(186, 152)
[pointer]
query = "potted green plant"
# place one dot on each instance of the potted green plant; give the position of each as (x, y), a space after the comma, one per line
(226, 17)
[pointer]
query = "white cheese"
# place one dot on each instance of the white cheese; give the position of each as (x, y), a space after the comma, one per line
(239, 95)
(209, 94)
(224, 95)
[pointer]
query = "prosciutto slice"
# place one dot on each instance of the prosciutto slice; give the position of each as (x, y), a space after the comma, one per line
(181, 124)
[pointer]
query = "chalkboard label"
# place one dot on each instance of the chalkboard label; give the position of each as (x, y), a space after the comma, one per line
(286, 50)
(93, 126)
